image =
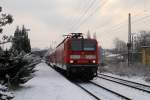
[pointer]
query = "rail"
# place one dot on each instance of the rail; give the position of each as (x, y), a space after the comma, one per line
(135, 85)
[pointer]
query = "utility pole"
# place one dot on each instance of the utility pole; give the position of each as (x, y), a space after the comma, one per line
(129, 39)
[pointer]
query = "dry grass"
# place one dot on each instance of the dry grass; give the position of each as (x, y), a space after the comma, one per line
(147, 79)
(122, 69)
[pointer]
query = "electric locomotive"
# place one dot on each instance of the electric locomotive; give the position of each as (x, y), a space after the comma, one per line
(77, 56)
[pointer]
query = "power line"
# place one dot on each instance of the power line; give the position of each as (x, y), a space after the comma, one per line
(121, 23)
(133, 22)
(73, 20)
(119, 26)
(97, 9)
(83, 15)
(145, 17)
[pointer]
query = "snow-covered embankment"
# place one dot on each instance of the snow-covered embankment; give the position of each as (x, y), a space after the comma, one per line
(49, 85)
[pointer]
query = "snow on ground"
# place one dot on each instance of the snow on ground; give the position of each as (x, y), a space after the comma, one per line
(100, 92)
(134, 78)
(134, 94)
(49, 85)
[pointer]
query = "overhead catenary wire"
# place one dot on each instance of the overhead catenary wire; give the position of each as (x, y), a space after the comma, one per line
(83, 15)
(114, 28)
(118, 27)
(91, 14)
(123, 23)
(73, 20)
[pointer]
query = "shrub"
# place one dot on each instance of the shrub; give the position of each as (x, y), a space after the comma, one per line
(17, 70)
(5, 94)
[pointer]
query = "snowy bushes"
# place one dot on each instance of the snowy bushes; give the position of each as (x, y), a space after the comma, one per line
(5, 94)
(17, 70)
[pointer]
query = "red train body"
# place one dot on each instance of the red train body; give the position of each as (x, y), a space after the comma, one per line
(77, 56)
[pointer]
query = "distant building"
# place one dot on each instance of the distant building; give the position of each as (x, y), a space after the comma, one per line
(146, 55)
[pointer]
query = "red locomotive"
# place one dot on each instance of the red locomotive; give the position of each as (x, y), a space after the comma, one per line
(77, 55)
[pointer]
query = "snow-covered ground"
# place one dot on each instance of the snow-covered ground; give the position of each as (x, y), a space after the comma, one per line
(50, 85)
(134, 78)
(134, 94)
(100, 92)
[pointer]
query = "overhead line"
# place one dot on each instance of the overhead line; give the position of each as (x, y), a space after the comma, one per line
(97, 9)
(123, 22)
(83, 15)
(133, 22)
(74, 20)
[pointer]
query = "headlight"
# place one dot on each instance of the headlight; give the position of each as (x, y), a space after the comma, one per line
(74, 56)
(71, 61)
(90, 56)
(94, 61)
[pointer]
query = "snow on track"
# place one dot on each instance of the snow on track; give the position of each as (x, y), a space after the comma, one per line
(134, 94)
(100, 92)
(50, 85)
(139, 86)
(133, 78)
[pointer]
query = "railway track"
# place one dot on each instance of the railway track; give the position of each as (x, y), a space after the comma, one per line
(96, 95)
(135, 85)
(90, 93)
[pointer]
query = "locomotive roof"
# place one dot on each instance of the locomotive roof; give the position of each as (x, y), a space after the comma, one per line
(74, 38)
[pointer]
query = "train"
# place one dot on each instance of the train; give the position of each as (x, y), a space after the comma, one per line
(77, 56)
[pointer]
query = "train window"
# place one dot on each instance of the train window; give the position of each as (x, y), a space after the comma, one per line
(89, 45)
(76, 45)
(79, 45)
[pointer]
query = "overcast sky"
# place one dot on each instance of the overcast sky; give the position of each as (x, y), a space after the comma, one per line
(50, 19)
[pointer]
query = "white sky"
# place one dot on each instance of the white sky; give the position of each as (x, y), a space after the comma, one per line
(50, 19)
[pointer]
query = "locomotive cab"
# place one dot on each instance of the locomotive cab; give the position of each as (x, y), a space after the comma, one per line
(77, 56)
(82, 57)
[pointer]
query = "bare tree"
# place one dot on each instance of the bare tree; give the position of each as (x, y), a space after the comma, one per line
(142, 39)
(120, 46)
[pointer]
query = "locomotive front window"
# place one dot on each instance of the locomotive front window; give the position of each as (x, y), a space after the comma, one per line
(86, 45)
(76, 45)
(89, 45)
